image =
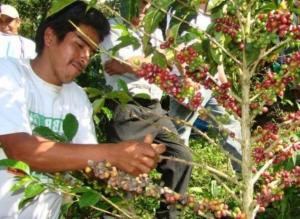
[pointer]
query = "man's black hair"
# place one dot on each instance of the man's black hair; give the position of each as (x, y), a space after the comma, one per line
(78, 13)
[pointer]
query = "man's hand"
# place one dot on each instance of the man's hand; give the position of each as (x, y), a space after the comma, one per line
(114, 67)
(136, 157)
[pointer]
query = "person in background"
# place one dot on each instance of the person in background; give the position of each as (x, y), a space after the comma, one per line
(11, 43)
(141, 116)
(41, 92)
(177, 110)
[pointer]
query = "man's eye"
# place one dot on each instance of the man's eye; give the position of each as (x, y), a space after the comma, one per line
(80, 45)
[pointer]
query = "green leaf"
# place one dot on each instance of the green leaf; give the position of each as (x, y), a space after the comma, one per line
(93, 92)
(31, 191)
(98, 104)
(48, 133)
(21, 184)
(152, 19)
(216, 54)
(196, 189)
(19, 165)
(91, 4)
(159, 59)
(65, 208)
(70, 126)
(58, 5)
(296, 10)
(214, 3)
(268, 7)
(252, 53)
(283, 207)
(142, 96)
(147, 47)
(129, 9)
(155, 14)
(174, 30)
(107, 112)
(81, 189)
(214, 188)
(123, 86)
(89, 198)
(121, 96)
(126, 41)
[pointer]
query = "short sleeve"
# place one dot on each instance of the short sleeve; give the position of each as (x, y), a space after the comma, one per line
(83, 111)
(13, 109)
(86, 131)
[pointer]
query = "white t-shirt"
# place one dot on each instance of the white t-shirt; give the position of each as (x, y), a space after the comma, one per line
(28, 101)
(16, 46)
(135, 84)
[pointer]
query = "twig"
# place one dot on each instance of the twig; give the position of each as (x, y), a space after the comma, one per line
(115, 206)
(264, 54)
(227, 189)
(105, 211)
(210, 169)
(198, 131)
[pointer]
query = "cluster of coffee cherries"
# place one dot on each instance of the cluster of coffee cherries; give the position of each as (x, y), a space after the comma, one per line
(187, 55)
(227, 25)
(272, 85)
(293, 117)
(295, 31)
(266, 196)
(167, 44)
(198, 74)
(143, 185)
(167, 81)
(273, 185)
(221, 92)
(227, 100)
(279, 22)
(119, 179)
(186, 93)
(195, 68)
(293, 61)
(269, 135)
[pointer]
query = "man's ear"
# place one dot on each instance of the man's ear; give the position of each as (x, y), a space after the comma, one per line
(18, 21)
(49, 36)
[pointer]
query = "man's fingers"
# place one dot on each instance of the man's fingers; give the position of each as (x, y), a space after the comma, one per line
(159, 148)
(148, 139)
(149, 162)
(139, 168)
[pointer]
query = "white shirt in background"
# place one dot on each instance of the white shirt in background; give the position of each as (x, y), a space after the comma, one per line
(16, 46)
(135, 84)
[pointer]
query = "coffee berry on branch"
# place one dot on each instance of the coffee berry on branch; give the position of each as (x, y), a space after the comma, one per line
(142, 184)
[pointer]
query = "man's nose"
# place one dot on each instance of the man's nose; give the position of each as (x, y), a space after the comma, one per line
(85, 56)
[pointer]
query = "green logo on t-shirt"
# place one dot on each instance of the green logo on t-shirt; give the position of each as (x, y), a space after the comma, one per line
(54, 124)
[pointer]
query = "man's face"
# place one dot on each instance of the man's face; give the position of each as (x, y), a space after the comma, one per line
(9, 25)
(70, 57)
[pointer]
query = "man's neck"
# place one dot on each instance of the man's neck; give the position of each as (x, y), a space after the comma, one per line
(42, 67)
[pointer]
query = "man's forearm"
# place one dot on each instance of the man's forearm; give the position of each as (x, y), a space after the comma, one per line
(49, 156)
